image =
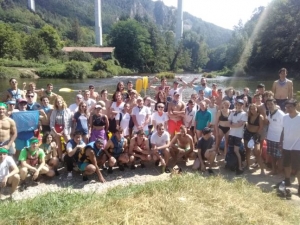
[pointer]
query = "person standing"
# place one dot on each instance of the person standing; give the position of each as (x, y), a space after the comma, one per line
(207, 90)
(275, 126)
(282, 88)
(141, 116)
(291, 142)
(237, 122)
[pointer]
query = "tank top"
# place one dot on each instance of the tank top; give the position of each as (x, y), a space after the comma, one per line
(99, 121)
(15, 94)
(32, 159)
(256, 121)
(222, 117)
(142, 145)
(118, 146)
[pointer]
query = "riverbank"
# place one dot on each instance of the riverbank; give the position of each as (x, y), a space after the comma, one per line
(145, 196)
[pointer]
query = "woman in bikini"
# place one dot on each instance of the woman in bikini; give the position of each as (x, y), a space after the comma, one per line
(253, 128)
(222, 125)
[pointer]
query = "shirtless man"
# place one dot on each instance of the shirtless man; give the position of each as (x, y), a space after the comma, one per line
(103, 97)
(93, 94)
(162, 87)
(132, 103)
(176, 113)
(8, 130)
(282, 88)
(139, 149)
(48, 92)
(182, 146)
(202, 98)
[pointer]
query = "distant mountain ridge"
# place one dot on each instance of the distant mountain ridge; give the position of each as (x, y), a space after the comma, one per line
(61, 13)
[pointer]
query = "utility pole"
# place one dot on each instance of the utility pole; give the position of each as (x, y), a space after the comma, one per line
(98, 23)
(179, 22)
(31, 5)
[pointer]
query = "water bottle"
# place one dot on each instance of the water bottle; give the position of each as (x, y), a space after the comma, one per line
(282, 188)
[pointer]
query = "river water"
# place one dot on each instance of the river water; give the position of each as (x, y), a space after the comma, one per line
(110, 84)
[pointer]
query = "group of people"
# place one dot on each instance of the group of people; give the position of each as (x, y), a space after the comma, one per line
(102, 131)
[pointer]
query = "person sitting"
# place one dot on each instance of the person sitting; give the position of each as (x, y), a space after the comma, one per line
(182, 146)
(98, 147)
(33, 159)
(9, 172)
(160, 142)
(139, 149)
(74, 145)
(116, 150)
(206, 151)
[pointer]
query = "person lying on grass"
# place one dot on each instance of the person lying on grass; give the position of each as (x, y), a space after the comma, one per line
(116, 150)
(32, 160)
(9, 172)
(206, 151)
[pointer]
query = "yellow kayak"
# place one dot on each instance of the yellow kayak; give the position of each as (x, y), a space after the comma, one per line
(139, 85)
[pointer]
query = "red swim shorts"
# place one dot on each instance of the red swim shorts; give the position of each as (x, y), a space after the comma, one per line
(174, 126)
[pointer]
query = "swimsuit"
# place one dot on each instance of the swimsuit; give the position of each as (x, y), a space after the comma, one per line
(222, 128)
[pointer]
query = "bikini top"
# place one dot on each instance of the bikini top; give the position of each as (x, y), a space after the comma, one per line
(222, 117)
(99, 121)
(255, 123)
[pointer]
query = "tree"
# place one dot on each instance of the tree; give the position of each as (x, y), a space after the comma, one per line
(10, 45)
(35, 47)
(132, 44)
(51, 39)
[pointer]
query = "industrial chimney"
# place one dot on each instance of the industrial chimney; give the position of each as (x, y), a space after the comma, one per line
(98, 23)
(31, 5)
(179, 21)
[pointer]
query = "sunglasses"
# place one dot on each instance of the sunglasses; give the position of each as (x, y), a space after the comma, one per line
(91, 88)
(29, 96)
(83, 106)
(14, 82)
(160, 107)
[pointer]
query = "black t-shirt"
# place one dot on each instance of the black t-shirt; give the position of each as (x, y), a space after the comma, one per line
(205, 144)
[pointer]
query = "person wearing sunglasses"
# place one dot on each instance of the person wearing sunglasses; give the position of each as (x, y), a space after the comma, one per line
(31, 105)
(93, 94)
(9, 172)
(160, 116)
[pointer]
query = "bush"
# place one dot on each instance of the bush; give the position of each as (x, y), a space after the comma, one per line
(7, 73)
(100, 64)
(97, 74)
(75, 70)
(80, 56)
(209, 75)
(169, 75)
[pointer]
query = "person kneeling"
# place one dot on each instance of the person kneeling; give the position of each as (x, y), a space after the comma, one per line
(206, 151)
(139, 149)
(182, 146)
(116, 150)
(9, 172)
(33, 159)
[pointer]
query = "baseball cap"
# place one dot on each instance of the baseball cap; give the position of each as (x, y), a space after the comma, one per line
(261, 85)
(22, 100)
(206, 130)
(241, 101)
(11, 102)
(176, 93)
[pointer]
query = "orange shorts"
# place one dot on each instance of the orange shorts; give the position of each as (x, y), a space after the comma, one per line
(174, 126)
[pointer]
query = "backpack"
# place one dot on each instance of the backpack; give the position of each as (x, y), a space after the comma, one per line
(231, 158)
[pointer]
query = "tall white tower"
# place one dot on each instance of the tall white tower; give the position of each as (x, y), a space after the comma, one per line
(31, 5)
(179, 21)
(98, 23)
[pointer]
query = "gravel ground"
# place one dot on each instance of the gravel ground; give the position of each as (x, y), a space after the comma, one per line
(140, 176)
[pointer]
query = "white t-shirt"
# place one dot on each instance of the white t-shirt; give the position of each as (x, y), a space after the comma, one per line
(235, 118)
(5, 165)
(291, 131)
(178, 90)
(160, 119)
(73, 108)
(89, 103)
(189, 116)
(160, 141)
(140, 115)
(124, 124)
(69, 146)
(213, 112)
(275, 126)
(117, 108)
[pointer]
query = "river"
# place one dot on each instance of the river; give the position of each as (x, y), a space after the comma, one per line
(110, 84)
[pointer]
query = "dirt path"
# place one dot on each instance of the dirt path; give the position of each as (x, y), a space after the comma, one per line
(140, 176)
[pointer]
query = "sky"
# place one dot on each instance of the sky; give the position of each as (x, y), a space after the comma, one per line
(224, 13)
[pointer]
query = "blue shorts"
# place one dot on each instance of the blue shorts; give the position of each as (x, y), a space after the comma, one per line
(82, 165)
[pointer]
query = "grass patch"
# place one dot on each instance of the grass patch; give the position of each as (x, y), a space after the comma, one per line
(168, 75)
(189, 199)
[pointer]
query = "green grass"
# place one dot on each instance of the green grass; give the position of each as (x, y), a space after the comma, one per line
(189, 199)
(168, 75)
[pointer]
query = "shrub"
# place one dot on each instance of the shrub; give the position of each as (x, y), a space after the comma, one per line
(7, 73)
(75, 70)
(169, 75)
(97, 74)
(80, 56)
(100, 64)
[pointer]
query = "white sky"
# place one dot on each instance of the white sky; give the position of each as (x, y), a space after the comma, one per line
(224, 13)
